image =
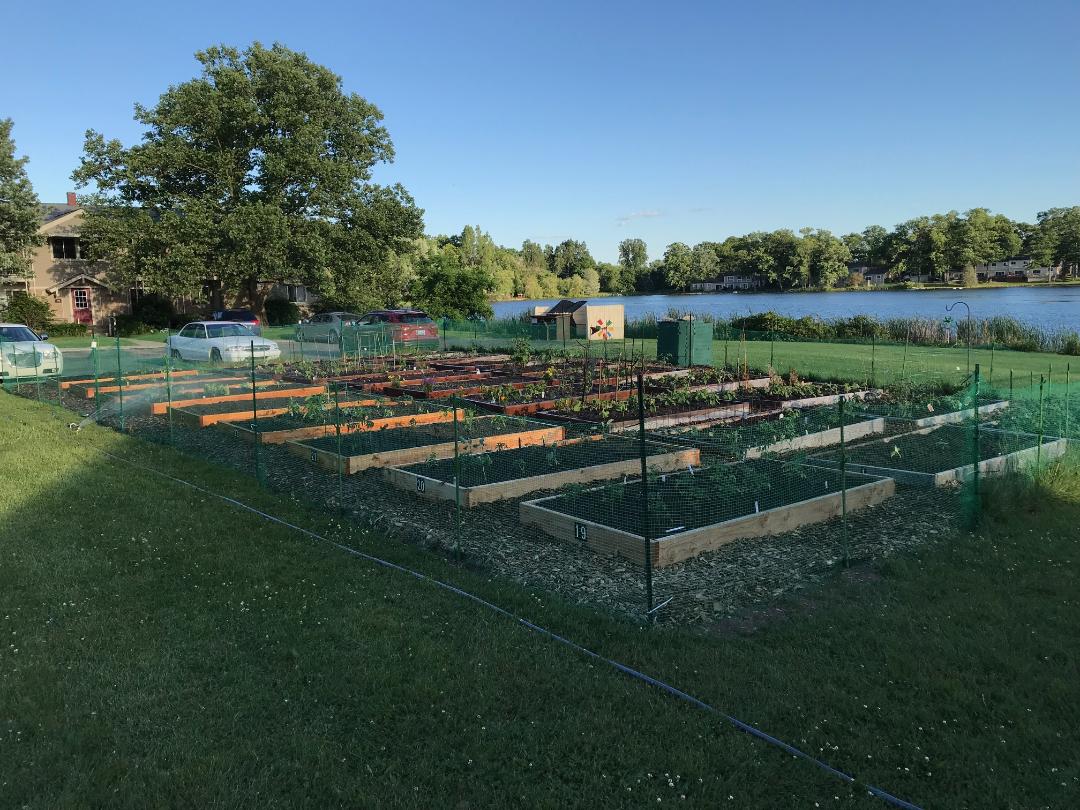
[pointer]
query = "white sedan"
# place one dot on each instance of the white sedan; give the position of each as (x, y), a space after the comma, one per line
(220, 342)
(24, 353)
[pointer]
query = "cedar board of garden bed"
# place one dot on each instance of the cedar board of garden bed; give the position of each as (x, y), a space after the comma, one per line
(461, 391)
(712, 414)
(186, 416)
(1052, 448)
(525, 408)
(242, 427)
(821, 438)
(675, 548)
(148, 376)
(158, 408)
(435, 489)
(180, 387)
(414, 455)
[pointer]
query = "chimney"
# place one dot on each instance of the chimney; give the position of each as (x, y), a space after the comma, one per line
(72, 200)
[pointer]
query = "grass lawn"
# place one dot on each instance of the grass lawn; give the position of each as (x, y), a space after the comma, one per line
(883, 364)
(162, 647)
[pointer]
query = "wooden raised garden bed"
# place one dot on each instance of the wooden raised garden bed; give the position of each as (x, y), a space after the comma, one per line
(203, 414)
(244, 429)
(158, 375)
(532, 475)
(942, 455)
(436, 442)
(608, 519)
(159, 408)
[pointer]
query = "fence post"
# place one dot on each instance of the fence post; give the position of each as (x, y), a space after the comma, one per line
(976, 453)
(37, 374)
(1038, 452)
(97, 380)
(340, 458)
(645, 527)
(990, 382)
(1010, 385)
(772, 350)
(873, 360)
(457, 478)
(120, 380)
(1067, 370)
(843, 485)
(255, 419)
(168, 389)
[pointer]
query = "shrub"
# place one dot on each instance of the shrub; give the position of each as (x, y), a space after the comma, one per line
(28, 309)
(128, 325)
(281, 312)
(68, 330)
(153, 310)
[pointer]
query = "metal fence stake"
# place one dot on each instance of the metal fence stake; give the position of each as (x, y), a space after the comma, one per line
(645, 527)
(843, 486)
(119, 380)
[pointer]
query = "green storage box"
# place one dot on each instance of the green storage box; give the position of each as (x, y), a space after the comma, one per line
(684, 342)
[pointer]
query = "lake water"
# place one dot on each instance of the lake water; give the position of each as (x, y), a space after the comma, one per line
(1053, 308)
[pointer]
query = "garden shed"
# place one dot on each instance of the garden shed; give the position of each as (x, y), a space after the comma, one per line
(582, 320)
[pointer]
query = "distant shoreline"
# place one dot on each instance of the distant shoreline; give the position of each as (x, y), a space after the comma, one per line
(887, 288)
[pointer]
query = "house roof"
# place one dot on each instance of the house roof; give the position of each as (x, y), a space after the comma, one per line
(565, 307)
(51, 211)
(76, 281)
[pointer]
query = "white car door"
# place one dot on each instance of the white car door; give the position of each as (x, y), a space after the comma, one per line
(179, 342)
(201, 345)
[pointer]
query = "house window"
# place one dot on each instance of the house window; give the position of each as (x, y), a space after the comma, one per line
(68, 247)
(298, 293)
(82, 298)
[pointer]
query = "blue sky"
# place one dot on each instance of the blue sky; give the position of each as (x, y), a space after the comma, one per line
(601, 121)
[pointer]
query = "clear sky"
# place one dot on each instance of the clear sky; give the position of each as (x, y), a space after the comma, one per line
(600, 121)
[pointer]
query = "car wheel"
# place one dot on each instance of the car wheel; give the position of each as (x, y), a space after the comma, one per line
(300, 336)
(176, 355)
(215, 355)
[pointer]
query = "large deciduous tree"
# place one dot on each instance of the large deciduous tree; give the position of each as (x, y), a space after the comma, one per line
(259, 170)
(678, 265)
(20, 212)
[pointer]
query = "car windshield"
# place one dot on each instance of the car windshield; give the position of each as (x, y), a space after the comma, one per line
(416, 318)
(17, 333)
(217, 330)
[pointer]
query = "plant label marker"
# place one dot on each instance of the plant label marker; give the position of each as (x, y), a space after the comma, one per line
(314, 455)
(421, 485)
(581, 532)
(756, 509)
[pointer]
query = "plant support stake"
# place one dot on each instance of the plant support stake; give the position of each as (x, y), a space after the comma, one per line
(119, 380)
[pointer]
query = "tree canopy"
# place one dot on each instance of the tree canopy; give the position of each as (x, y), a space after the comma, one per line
(257, 170)
(20, 211)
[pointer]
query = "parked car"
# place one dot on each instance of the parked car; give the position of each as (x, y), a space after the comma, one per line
(326, 327)
(244, 316)
(221, 342)
(24, 353)
(403, 325)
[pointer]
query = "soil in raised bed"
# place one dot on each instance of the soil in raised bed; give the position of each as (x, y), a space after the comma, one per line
(683, 501)
(733, 439)
(495, 467)
(943, 448)
(387, 439)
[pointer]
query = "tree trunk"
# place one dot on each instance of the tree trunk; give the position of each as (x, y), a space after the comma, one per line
(256, 298)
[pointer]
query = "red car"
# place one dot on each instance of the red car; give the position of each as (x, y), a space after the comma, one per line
(404, 325)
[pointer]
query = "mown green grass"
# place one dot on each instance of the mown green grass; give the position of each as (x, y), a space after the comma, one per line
(161, 647)
(883, 364)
